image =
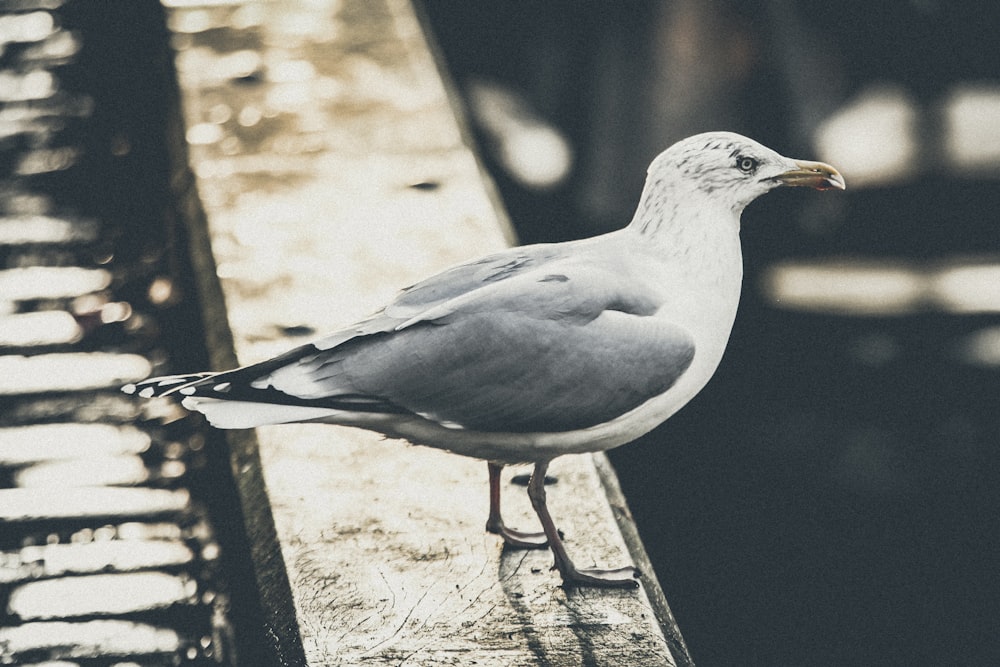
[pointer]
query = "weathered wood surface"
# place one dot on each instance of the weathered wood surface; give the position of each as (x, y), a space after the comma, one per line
(333, 171)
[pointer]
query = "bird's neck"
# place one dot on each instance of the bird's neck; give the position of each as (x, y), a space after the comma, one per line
(673, 219)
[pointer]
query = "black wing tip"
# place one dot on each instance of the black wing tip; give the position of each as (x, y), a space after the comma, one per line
(212, 386)
(164, 385)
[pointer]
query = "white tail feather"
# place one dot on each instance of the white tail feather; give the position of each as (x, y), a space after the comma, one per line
(247, 414)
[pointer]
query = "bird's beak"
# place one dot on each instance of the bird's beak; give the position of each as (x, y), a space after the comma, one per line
(817, 175)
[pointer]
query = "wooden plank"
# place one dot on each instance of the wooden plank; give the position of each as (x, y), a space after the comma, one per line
(334, 171)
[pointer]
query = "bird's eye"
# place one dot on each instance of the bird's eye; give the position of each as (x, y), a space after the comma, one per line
(747, 165)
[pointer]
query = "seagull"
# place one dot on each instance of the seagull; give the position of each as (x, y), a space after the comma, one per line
(536, 351)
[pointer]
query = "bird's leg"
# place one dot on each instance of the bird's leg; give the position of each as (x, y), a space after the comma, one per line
(624, 577)
(494, 524)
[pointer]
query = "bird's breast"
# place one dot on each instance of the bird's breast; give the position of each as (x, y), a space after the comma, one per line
(703, 298)
(700, 284)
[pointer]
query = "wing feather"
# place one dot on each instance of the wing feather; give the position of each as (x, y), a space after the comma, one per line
(530, 353)
(532, 339)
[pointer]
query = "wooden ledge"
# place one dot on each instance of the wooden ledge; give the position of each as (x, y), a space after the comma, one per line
(334, 170)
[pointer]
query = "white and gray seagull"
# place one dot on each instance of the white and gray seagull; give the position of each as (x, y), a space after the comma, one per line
(537, 351)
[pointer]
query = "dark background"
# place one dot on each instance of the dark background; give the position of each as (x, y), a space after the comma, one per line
(830, 498)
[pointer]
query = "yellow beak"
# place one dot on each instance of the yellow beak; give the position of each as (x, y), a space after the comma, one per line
(817, 175)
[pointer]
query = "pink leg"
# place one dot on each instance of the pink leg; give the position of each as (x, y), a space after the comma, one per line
(624, 577)
(495, 525)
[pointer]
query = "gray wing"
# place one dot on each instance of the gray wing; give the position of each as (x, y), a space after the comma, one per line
(249, 382)
(540, 338)
(553, 345)
(444, 287)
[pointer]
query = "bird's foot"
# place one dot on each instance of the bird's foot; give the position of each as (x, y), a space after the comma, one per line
(623, 577)
(517, 539)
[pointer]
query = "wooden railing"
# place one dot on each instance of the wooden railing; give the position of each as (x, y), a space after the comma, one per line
(334, 168)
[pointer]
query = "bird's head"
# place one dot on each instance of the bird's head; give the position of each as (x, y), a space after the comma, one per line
(733, 170)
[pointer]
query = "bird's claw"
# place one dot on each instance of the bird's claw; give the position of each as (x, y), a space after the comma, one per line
(517, 539)
(622, 577)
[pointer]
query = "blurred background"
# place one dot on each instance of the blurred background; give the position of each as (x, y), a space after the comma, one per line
(831, 497)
